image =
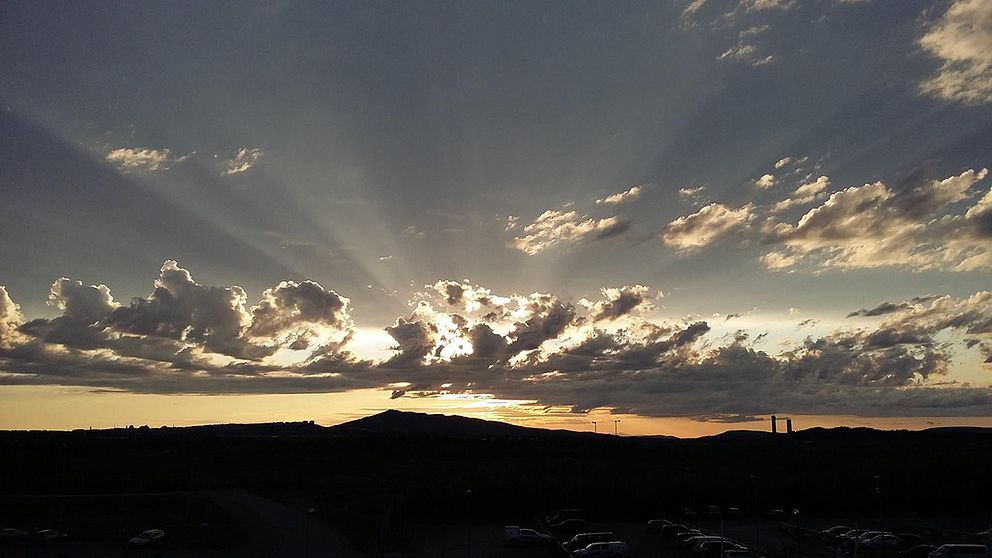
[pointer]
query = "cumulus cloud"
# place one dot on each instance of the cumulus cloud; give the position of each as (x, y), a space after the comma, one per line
(244, 159)
(142, 159)
(537, 347)
(962, 41)
(555, 227)
(622, 197)
(619, 302)
(299, 310)
(705, 226)
(782, 162)
(804, 194)
(875, 225)
(10, 317)
(766, 181)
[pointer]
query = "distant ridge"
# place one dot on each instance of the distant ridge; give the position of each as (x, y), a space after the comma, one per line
(394, 423)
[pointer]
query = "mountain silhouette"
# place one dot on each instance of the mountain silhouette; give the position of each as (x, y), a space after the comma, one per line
(397, 423)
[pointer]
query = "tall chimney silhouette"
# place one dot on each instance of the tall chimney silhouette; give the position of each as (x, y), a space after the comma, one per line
(774, 425)
(788, 425)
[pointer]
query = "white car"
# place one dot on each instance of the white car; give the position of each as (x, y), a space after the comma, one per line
(150, 537)
(960, 551)
(613, 549)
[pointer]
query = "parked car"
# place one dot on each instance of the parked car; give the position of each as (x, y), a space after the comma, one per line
(883, 541)
(834, 532)
(869, 535)
(147, 538)
(960, 551)
(560, 515)
(668, 531)
(46, 537)
(918, 551)
(714, 548)
(612, 549)
(517, 536)
(572, 526)
(655, 525)
(852, 535)
(692, 543)
(683, 536)
(10, 535)
(582, 540)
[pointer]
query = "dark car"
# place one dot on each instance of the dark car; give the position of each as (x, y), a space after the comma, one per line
(569, 526)
(147, 538)
(560, 515)
(656, 525)
(582, 540)
(834, 532)
(668, 532)
(683, 536)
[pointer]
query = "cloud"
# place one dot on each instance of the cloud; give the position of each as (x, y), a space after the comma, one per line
(622, 197)
(555, 227)
(748, 53)
(875, 225)
(962, 41)
(183, 310)
(804, 194)
(10, 318)
(704, 227)
(693, 194)
(619, 302)
(415, 233)
(765, 182)
(244, 159)
(142, 159)
(299, 310)
(537, 347)
(757, 5)
(782, 162)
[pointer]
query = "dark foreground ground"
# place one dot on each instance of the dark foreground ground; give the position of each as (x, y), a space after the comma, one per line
(413, 485)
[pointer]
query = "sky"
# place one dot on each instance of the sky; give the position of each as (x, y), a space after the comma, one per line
(686, 215)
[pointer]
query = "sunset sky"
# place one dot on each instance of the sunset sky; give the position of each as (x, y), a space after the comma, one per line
(685, 214)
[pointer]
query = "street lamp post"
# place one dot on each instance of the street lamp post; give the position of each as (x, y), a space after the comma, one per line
(616, 427)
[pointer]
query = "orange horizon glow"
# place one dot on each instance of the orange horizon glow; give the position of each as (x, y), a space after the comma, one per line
(70, 408)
